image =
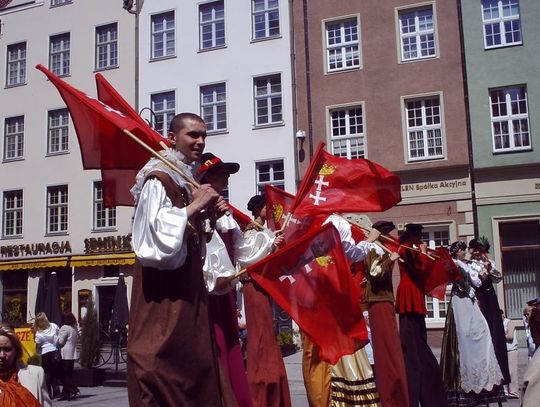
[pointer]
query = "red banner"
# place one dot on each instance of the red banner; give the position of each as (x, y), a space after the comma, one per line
(311, 281)
(335, 184)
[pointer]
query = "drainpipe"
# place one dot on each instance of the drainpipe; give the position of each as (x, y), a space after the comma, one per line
(308, 80)
(294, 89)
(468, 119)
(138, 7)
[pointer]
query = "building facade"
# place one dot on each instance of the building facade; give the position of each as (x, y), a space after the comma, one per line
(502, 47)
(383, 80)
(53, 218)
(230, 62)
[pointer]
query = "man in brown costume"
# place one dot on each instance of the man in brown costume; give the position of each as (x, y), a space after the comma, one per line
(171, 354)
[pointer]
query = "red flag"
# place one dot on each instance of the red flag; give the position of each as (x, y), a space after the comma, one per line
(102, 141)
(110, 96)
(311, 281)
(278, 204)
(441, 272)
(335, 184)
(278, 207)
(240, 217)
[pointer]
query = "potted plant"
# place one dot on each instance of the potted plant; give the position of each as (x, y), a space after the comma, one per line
(90, 345)
(285, 340)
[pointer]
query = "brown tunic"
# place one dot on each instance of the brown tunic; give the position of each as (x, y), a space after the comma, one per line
(171, 356)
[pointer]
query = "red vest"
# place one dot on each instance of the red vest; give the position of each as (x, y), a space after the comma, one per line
(410, 292)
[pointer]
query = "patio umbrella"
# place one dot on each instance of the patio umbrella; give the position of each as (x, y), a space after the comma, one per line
(120, 312)
(40, 296)
(52, 301)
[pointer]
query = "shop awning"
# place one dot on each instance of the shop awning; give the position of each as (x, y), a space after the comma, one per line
(33, 263)
(112, 259)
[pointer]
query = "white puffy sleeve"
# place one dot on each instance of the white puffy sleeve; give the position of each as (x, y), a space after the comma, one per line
(472, 270)
(354, 252)
(217, 264)
(159, 229)
(253, 247)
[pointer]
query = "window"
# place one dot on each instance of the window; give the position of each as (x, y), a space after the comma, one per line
(59, 54)
(265, 18)
(14, 138)
(342, 45)
(347, 132)
(509, 119)
(57, 140)
(502, 25)
(520, 254)
(14, 297)
(417, 34)
(214, 106)
(270, 172)
(107, 46)
(60, 2)
(437, 237)
(163, 35)
(212, 25)
(268, 100)
(12, 216)
(163, 105)
(424, 128)
(16, 64)
(57, 209)
(104, 218)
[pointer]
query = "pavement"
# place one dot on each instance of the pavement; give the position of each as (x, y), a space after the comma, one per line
(103, 396)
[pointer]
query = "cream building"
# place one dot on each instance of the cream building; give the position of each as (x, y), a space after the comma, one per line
(52, 215)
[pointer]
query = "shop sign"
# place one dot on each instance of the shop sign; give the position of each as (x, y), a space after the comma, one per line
(35, 249)
(434, 187)
(107, 244)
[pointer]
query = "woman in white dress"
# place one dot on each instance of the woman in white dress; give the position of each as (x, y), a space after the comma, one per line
(471, 372)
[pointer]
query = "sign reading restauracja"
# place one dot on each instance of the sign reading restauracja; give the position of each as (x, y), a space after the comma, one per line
(35, 249)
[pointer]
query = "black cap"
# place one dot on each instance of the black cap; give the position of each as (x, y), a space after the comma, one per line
(475, 244)
(414, 228)
(384, 226)
(256, 203)
(209, 162)
(534, 302)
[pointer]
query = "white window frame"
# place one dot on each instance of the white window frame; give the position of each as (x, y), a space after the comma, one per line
(57, 131)
(56, 3)
(340, 52)
(424, 128)
(163, 115)
(500, 21)
(263, 12)
(348, 139)
(267, 98)
(16, 64)
(418, 34)
(12, 213)
(60, 56)
(213, 99)
(106, 46)
(215, 23)
(273, 177)
(103, 218)
(510, 118)
(165, 35)
(57, 209)
(14, 138)
(435, 239)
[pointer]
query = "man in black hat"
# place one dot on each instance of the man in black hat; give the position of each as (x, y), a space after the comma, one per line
(423, 373)
(390, 374)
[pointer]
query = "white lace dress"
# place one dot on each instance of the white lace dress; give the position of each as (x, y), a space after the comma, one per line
(479, 369)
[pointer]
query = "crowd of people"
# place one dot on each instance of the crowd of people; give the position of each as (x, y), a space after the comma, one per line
(189, 290)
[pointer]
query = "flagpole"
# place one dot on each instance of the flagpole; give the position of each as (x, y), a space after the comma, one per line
(390, 239)
(159, 157)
